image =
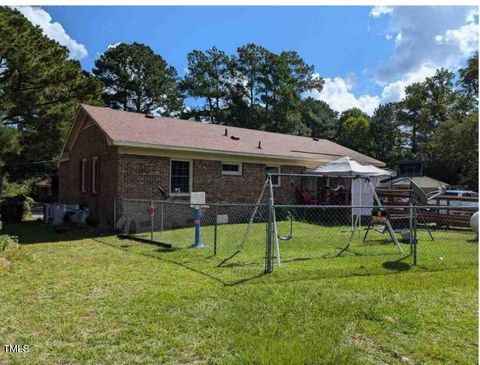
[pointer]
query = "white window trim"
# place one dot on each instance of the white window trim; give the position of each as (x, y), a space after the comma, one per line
(94, 175)
(83, 175)
(190, 177)
(232, 173)
(278, 177)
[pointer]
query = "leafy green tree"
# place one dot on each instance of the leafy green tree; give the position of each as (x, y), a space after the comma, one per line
(388, 140)
(8, 147)
(40, 89)
(355, 131)
(415, 118)
(207, 78)
(246, 70)
(320, 118)
(136, 79)
(453, 151)
(36, 74)
(352, 112)
(267, 89)
(426, 105)
(440, 95)
(469, 77)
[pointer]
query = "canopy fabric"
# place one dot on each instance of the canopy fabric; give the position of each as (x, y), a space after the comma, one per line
(348, 167)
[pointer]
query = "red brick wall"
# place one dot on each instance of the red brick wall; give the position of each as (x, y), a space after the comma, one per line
(137, 177)
(246, 188)
(90, 143)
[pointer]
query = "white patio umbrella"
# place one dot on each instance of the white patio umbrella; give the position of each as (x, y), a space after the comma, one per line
(365, 179)
(348, 167)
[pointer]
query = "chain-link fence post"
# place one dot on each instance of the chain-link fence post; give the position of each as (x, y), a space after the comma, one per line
(162, 211)
(152, 214)
(268, 249)
(410, 228)
(215, 230)
(114, 225)
(415, 235)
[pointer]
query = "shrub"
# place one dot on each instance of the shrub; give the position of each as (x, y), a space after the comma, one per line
(12, 188)
(15, 209)
(10, 252)
(7, 241)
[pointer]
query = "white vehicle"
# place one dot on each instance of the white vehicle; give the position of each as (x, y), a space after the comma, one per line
(452, 202)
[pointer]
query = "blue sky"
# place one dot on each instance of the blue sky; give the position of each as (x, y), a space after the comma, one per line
(366, 54)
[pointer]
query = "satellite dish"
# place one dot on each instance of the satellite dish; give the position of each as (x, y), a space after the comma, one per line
(418, 194)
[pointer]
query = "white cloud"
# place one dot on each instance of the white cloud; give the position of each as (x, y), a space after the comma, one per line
(378, 11)
(53, 30)
(435, 36)
(113, 45)
(464, 38)
(337, 93)
(395, 91)
(427, 38)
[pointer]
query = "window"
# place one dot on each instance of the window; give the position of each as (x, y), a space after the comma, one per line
(95, 177)
(180, 177)
(83, 175)
(231, 168)
(275, 178)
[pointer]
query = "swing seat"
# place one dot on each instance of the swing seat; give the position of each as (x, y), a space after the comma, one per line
(380, 228)
(290, 235)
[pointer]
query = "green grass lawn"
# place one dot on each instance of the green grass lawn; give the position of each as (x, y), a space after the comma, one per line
(80, 298)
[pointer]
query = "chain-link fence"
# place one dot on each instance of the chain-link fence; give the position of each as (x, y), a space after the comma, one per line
(327, 240)
(222, 230)
(364, 240)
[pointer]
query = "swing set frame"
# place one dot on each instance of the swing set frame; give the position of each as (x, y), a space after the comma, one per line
(272, 228)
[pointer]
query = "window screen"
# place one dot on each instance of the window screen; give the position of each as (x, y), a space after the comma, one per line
(180, 177)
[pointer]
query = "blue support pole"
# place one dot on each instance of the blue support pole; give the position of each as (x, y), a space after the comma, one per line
(197, 216)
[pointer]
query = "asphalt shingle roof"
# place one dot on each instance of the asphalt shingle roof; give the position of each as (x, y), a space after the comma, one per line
(134, 129)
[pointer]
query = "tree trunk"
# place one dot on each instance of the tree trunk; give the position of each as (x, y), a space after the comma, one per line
(217, 107)
(414, 139)
(210, 105)
(1, 179)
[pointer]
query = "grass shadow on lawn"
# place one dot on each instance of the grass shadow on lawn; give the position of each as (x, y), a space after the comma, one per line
(398, 265)
(191, 265)
(33, 232)
(312, 254)
(238, 273)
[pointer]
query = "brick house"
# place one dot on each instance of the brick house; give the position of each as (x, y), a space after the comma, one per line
(110, 153)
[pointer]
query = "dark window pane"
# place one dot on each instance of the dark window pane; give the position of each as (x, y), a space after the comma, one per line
(271, 170)
(180, 178)
(231, 167)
